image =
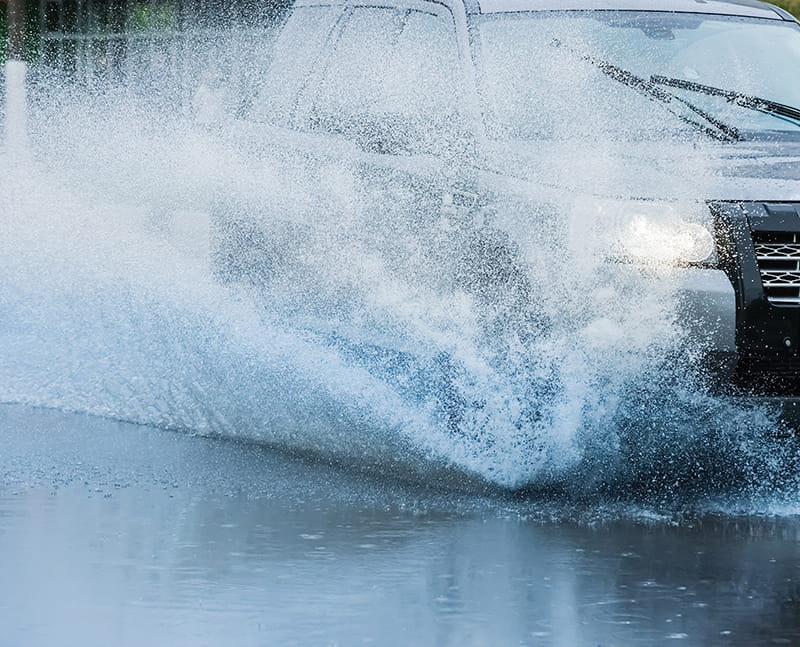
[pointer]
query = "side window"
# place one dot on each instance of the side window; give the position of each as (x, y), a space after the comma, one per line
(352, 85)
(296, 51)
(423, 76)
(393, 74)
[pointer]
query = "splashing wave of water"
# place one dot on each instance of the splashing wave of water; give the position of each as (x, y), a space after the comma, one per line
(356, 350)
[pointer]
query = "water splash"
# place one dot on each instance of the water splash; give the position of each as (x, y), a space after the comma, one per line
(363, 331)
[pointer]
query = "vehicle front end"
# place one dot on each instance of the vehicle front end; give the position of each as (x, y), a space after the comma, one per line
(708, 93)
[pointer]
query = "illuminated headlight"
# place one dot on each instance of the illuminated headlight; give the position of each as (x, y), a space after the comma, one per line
(677, 242)
(658, 233)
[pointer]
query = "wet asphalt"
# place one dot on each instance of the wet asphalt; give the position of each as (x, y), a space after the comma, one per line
(117, 534)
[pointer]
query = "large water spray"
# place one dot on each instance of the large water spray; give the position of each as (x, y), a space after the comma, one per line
(365, 333)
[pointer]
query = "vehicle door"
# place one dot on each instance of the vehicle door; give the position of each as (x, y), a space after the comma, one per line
(365, 106)
(385, 102)
(263, 179)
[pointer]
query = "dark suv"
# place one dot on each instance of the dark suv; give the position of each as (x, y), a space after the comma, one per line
(664, 128)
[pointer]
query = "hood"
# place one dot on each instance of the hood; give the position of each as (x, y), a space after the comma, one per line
(664, 170)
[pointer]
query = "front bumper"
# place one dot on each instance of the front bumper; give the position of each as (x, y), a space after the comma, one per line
(710, 315)
(750, 335)
(767, 331)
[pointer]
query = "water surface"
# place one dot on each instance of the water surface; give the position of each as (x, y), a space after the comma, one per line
(112, 533)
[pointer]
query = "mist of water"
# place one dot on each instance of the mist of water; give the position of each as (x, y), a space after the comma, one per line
(364, 334)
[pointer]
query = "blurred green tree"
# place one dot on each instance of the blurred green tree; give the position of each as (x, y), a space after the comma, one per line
(789, 5)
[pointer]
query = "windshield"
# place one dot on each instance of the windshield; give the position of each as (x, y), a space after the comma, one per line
(541, 74)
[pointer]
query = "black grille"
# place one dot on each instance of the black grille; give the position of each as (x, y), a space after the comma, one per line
(778, 257)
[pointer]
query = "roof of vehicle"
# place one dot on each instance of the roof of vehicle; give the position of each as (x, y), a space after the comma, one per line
(743, 8)
(748, 8)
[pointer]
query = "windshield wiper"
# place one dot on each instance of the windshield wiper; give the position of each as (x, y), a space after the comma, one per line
(737, 98)
(653, 91)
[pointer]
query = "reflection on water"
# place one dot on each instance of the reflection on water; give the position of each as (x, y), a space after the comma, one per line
(112, 534)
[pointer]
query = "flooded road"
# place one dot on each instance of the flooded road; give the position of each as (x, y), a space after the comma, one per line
(116, 534)
(361, 374)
